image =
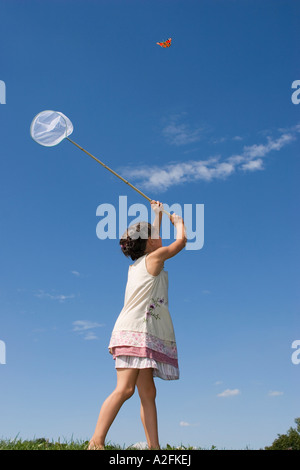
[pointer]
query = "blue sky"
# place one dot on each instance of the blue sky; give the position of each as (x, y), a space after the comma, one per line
(208, 121)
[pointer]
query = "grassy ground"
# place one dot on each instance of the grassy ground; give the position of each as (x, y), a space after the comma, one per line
(45, 444)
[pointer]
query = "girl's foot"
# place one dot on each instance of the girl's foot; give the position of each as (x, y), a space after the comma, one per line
(94, 446)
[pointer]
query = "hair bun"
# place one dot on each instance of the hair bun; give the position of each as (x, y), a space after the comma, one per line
(133, 242)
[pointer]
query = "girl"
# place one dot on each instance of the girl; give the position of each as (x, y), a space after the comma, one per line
(143, 342)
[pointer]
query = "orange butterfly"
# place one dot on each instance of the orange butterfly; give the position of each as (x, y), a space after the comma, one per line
(165, 43)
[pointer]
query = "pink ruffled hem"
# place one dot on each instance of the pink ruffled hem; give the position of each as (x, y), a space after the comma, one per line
(143, 352)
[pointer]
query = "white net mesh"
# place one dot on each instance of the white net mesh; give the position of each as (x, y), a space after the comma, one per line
(49, 128)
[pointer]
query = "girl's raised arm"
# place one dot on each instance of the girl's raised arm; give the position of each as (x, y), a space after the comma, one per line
(156, 258)
(157, 208)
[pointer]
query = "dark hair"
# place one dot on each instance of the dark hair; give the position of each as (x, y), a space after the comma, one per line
(133, 242)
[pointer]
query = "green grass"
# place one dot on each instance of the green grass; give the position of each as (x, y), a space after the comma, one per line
(46, 444)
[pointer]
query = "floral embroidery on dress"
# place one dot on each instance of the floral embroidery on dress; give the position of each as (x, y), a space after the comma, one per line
(150, 311)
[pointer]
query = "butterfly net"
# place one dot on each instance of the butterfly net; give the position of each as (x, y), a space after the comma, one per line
(49, 128)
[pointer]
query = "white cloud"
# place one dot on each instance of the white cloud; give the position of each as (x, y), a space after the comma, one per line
(60, 297)
(214, 167)
(275, 393)
(254, 151)
(236, 159)
(186, 424)
(90, 335)
(221, 140)
(178, 173)
(229, 393)
(253, 165)
(82, 325)
(85, 328)
(178, 133)
(76, 273)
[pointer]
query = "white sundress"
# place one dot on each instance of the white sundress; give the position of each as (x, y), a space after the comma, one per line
(143, 335)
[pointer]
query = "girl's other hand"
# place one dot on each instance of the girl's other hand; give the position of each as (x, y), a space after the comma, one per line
(176, 219)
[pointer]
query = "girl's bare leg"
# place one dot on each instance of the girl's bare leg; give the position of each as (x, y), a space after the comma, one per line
(126, 381)
(147, 393)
